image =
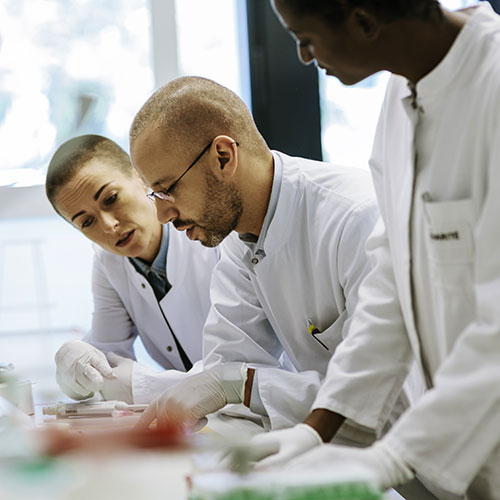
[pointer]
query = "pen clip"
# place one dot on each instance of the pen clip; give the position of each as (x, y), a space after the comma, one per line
(313, 330)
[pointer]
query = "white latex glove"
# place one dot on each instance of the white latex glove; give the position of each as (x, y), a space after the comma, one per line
(379, 460)
(276, 447)
(119, 388)
(80, 369)
(198, 395)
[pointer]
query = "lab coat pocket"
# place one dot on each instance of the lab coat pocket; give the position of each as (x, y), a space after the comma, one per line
(330, 337)
(449, 240)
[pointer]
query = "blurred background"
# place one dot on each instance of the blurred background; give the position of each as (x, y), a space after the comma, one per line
(69, 67)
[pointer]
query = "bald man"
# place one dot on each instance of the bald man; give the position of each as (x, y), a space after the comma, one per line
(293, 233)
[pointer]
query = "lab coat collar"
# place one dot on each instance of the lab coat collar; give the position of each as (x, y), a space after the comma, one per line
(159, 263)
(255, 244)
(454, 65)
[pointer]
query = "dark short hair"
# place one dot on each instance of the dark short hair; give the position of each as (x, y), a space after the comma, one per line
(75, 153)
(335, 12)
(194, 110)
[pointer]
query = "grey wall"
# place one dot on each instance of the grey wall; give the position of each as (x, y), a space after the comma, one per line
(19, 202)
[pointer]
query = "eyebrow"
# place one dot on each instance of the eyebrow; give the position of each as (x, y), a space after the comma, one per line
(77, 215)
(96, 197)
(100, 190)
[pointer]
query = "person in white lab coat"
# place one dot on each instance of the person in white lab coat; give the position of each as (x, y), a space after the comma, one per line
(147, 280)
(434, 291)
(293, 234)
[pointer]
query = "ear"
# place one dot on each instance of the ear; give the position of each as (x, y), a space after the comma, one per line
(226, 150)
(363, 24)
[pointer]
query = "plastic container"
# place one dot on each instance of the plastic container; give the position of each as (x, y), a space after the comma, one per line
(351, 484)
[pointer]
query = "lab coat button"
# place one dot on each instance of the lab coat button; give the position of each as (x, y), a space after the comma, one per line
(255, 260)
(169, 348)
(143, 285)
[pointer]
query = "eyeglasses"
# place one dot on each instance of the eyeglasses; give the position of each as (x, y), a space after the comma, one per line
(164, 194)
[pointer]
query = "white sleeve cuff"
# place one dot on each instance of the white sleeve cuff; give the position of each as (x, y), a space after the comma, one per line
(234, 377)
(394, 470)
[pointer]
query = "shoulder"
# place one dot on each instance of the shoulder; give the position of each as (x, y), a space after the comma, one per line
(233, 247)
(327, 182)
(107, 262)
(483, 62)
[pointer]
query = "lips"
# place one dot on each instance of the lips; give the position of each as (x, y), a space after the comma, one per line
(125, 239)
(189, 232)
(325, 69)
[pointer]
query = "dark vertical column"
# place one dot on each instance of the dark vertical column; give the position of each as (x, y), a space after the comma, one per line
(496, 5)
(285, 94)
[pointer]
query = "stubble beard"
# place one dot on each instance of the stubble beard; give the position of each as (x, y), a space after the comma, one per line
(222, 209)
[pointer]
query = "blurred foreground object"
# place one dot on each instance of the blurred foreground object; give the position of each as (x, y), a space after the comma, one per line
(92, 409)
(108, 440)
(18, 391)
(344, 484)
(98, 458)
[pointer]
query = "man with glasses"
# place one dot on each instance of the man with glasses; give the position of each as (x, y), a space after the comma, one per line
(147, 280)
(293, 233)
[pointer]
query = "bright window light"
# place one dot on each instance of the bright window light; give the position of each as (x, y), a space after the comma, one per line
(68, 68)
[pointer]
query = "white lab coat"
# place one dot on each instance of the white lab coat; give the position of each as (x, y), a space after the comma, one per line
(315, 260)
(125, 306)
(434, 292)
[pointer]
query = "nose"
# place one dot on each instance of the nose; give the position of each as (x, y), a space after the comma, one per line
(109, 222)
(165, 211)
(304, 54)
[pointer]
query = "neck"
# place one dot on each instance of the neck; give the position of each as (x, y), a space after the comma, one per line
(256, 185)
(417, 47)
(154, 247)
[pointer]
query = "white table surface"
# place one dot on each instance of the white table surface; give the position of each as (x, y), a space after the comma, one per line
(119, 474)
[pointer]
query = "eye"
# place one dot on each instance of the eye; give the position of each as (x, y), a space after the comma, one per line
(87, 222)
(111, 199)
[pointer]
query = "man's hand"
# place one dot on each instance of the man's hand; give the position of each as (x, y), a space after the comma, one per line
(80, 369)
(379, 462)
(276, 447)
(120, 388)
(196, 396)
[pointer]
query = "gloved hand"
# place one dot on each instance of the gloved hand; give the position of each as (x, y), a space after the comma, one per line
(379, 460)
(80, 369)
(119, 388)
(276, 447)
(197, 396)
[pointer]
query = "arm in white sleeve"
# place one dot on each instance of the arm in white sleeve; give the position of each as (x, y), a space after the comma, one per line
(148, 384)
(112, 328)
(289, 401)
(237, 329)
(368, 369)
(284, 396)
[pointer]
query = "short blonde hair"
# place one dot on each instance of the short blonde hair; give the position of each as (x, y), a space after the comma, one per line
(74, 154)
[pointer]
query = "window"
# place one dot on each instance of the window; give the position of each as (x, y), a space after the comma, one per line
(213, 43)
(349, 114)
(68, 68)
